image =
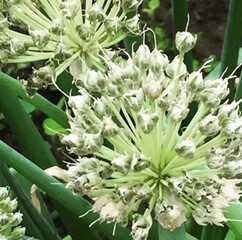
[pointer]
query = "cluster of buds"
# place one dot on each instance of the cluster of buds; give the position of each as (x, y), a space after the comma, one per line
(133, 148)
(9, 219)
(68, 32)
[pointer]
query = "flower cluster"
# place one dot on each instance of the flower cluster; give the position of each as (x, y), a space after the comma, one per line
(67, 32)
(136, 159)
(9, 219)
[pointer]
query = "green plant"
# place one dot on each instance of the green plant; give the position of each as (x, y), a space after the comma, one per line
(145, 161)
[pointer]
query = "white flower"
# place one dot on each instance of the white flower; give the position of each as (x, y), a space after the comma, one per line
(145, 154)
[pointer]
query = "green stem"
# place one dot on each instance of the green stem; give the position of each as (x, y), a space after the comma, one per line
(38, 101)
(232, 40)
(77, 206)
(30, 140)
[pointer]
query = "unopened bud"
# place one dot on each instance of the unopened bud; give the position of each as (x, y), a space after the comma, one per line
(70, 8)
(147, 121)
(85, 31)
(40, 37)
(142, 56)
(186, 148)
(195, 81)
(112, 25)
(209, 126)
(158, 62)
(185, 41)
(95, 13)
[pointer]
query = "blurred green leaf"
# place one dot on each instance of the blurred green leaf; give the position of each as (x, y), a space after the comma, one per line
(230, 236)
(190, 237)
(177, 234)
(52, 127)
(151, 6)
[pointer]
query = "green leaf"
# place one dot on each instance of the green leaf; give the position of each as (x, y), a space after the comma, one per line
(190, 237)
(234, 215)
(230, 236)
(52, 127)
(177, 234)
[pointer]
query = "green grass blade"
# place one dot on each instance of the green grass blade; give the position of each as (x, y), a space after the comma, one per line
(77, 206)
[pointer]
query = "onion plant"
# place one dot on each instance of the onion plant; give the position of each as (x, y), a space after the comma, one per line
(152, 148)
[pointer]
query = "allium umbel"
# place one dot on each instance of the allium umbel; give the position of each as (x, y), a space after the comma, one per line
(64, 33)
(133, 149)
(9, 219)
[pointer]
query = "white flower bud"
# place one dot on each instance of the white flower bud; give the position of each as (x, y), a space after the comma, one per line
(70, 8)
(113, 25)
(92, 142)
(226, 110)
(185, 41)
(18, 233)
(17, 46)
(147, 121)
(132, 24)
(214, 91)
(178, 111)
(80, 102)
(122, 163)
(3, 193)
(231, 127)
(110, 128)
(125, 194)
(57, 26)
(195, 81)
(3, 22)
(43, 76)
(85, 31)
(139, 162)
(141, 226)
(158, 62)
(141, 57)
(170, 216)
(186, 148)
(134, 99)
(216, 158)
(93, 80)
(209, 126)
(100, 107)
(40, 37)
(95, 13)
(112, 212)
(152, 88)
(172, 67)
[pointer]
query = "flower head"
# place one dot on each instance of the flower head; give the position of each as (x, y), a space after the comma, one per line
(141, 154)
(68, 32)
(9, 219)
